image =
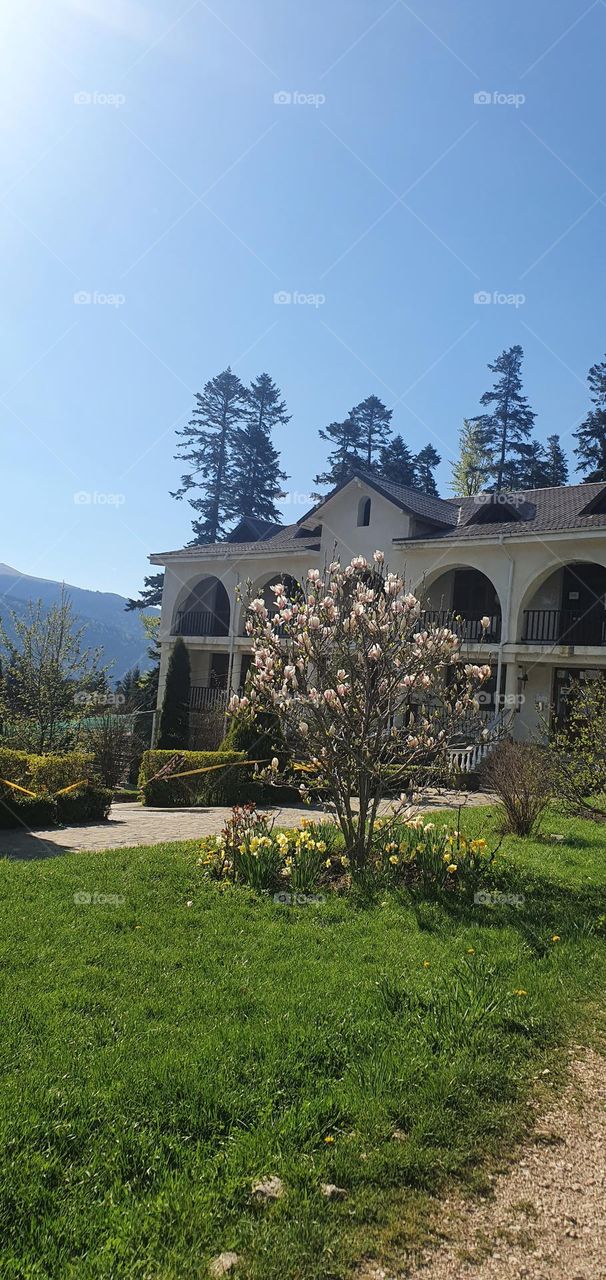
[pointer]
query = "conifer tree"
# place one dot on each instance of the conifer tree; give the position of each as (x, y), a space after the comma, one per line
(425, 462)
(470, 471)
(207, 443)
(507, 427)
(254, 464)
(397, 463)
(530, 472)
(556, 467)
(173, 731)
(591, 435)
(346, 455)
(372, 419)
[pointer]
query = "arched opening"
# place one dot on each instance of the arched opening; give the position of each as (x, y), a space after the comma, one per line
(204, 610)
(460, 598)
(363, 513)
(568, 607)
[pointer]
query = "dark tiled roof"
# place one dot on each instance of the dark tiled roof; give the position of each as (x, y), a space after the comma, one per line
(289, 538)
(433, 510)
(539, 511)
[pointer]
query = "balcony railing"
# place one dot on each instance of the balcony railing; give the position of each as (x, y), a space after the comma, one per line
(199, 622)
(207, 697)
(468, 628)
(564, 626)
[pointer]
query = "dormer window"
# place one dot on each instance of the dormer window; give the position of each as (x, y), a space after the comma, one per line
(363, 513)
(597, 505)
(494, 508)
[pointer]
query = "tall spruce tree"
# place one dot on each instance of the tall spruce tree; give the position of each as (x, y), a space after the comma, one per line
(531, 469)
(425, 462)
(373, 420)
(397, 463)
(346, 455)
(254, 468)
(207, 442)
(508, 425)
(173, 731)
(151, 593)
(591, 435)
(471, 469)
(556, 464)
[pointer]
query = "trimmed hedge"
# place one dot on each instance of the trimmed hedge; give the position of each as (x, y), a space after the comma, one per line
(230, 785)
(45, 775)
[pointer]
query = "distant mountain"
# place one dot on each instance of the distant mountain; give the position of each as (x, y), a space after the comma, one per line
(107, 624)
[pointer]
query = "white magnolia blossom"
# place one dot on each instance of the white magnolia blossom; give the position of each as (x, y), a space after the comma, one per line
(360, 684)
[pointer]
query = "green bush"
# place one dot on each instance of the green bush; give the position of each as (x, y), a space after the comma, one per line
(45, 776)
(87, 804)
(230, 785)
(52, 773)
(27, 811)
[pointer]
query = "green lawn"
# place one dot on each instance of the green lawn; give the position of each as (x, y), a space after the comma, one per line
(158, 1057)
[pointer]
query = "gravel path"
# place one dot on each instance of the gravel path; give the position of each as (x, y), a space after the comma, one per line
(131, 824)
(546, 1218)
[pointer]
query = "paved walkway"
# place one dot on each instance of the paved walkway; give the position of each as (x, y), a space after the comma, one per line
(130, 824)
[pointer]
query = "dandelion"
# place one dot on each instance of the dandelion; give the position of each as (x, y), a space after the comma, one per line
(329, 1138)
(519, 991)
(555, 937)
(426, 964)
(471, 951)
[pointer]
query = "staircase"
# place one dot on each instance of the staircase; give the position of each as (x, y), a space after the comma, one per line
(468, 757)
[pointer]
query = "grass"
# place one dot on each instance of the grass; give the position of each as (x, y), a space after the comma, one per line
(158, 1056)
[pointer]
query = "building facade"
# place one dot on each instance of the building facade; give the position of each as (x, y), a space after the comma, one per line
(533, 562)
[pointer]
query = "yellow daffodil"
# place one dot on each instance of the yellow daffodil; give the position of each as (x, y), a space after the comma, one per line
(451, 868)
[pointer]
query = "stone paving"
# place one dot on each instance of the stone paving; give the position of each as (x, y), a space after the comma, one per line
(129, 825)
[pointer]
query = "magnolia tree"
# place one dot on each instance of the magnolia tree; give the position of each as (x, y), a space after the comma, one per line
(362, 690)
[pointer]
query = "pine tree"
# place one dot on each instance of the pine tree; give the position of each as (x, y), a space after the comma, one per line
(507, 428)
(556, 469)
(256, 477)
(173, 730)
(372, 419)
(531, 470)
(207, 442)
(470, 471)
(345, 456)
(425, 462)
(591, 435)
(397, 463)
(150, 595)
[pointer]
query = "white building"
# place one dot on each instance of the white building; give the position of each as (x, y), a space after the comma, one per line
(534, 562)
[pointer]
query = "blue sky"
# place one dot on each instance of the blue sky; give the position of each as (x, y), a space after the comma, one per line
(146, 164)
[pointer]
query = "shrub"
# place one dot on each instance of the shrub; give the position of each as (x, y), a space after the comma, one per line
(27, 811)
(578, 752)
(52, 773)
(519, 774)
(224, 786)
(174, 716)
(88, 804)
(109, 739)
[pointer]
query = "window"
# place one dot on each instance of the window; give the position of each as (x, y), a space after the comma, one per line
(363, 512)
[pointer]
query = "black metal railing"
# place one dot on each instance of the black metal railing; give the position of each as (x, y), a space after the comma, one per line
(564, 626)
(207, 696)
(200, 622)
(468, 628)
